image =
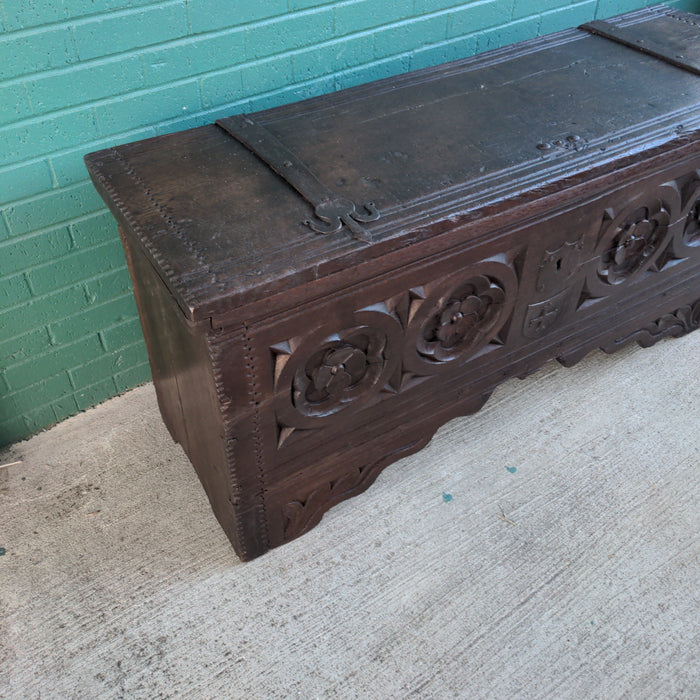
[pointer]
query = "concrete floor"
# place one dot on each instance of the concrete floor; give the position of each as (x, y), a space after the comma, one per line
(565, 565)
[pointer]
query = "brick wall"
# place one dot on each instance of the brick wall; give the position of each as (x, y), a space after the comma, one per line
(77, 76)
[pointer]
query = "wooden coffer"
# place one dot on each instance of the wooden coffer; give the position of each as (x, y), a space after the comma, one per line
(322, 285)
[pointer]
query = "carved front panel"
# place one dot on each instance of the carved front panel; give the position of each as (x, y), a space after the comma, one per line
(438, 326)
(434, 333)
(389, 346)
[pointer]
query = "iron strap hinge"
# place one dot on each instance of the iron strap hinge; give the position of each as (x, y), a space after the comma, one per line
(331, 210)
(633, 37)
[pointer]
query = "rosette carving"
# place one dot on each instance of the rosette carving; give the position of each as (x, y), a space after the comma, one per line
(642, 235)
(631, 243)
(334, 368)
(464, 321)
(342, 368)
(361, 357)
(458, 316)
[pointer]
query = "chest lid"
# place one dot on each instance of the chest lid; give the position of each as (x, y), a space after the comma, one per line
(256, 206)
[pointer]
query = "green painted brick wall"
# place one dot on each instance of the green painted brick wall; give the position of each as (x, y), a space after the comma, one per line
(77, 76)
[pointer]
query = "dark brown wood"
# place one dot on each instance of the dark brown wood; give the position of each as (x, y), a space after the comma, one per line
(481, 218)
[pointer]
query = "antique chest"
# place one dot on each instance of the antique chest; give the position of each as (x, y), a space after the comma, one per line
(323, 284)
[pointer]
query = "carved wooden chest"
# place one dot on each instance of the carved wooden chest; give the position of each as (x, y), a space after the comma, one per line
(322, 285)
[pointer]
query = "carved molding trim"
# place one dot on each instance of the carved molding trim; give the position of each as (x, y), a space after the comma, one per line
(674, 324)
(301, 515)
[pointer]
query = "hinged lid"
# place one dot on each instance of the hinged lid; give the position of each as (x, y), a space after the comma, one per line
(397, 161)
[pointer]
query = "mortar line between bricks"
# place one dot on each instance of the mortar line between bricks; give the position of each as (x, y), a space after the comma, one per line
(55, 189)
(59, 416)
(67, 111)
(7, 224)
(76, 283)
(83, 389)
(113, 242)
(560, 10)
(126, 296)
(204, 113)
(28, 282)
(54, 178)
(113, 57)
(111, 354)
(29, 387)
(193, 38)
(79, 148)
(148, 90)
(13, 238)
(117, 324)
(86, 19)
(38, 384)
(145, 363)
(67, 347)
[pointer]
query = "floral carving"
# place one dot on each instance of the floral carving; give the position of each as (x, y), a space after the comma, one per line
(334, 368)
(631, 244)
(333, 372)
(339, 369)
(464, 320)
(357, 358)
(458, 319)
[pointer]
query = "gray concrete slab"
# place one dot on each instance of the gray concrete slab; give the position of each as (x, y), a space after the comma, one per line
(565, 565)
